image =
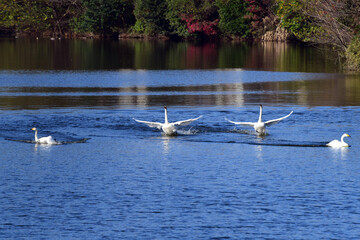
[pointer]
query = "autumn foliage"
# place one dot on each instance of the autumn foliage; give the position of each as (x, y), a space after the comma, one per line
(256, 11)
(206, 27)
(331, 22)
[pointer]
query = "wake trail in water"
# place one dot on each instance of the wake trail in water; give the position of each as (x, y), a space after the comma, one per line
(57, 142)
(279, 144)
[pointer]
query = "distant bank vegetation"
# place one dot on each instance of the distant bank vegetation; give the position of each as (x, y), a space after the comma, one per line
(332, 22)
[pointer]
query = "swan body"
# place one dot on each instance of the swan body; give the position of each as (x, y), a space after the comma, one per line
(260, 126)
(167, 127)
(338, 144)
(43, 140)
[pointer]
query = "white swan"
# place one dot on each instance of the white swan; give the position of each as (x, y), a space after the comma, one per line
(338, 144)
(168, 128)
(43, 140)
(260, 126)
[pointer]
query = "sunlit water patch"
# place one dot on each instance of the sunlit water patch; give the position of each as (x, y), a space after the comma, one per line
(149, 78)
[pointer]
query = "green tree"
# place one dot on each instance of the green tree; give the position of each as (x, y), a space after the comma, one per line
(100, 16)
(292, 17)
(175, 11)
(352, 55)
(25, 15)
(151, 17)
(63, 11)
(232, 21)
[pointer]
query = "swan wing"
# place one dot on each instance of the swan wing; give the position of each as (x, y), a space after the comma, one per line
(274, 121)
(47, 140)
(337, 144)
(150, 124)
(185, 122)
(251, 124)
(334, 143)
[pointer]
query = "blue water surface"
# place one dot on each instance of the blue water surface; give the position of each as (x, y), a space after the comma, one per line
(114, 178)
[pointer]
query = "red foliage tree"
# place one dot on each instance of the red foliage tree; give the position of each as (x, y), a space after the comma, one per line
(206, 27)
(257, 10)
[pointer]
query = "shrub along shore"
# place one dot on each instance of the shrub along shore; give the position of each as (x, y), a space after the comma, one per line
(330, 22)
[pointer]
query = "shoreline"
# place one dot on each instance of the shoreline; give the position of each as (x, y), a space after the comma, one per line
(269, 36)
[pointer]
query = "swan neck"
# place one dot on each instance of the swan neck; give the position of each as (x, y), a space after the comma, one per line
(260, 115)
(166, 116)
(342, 139)
(36, 137)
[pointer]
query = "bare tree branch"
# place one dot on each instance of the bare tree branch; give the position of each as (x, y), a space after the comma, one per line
(332, 16)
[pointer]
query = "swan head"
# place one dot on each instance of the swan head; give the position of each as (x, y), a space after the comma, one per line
(165, 107)
(34, 129)
(346, 135)
(342, 140)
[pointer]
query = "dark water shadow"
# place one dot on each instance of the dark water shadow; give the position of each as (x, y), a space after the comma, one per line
(280, 143)
(249, 132)
(292, 144)
(260, 140)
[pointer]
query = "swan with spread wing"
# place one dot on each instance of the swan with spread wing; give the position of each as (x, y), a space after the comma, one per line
(167, 127)
(260, 126)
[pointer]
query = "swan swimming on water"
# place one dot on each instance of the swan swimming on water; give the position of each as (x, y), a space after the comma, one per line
(43, 140)
(167, 127)
(338, 144)
(260, 126)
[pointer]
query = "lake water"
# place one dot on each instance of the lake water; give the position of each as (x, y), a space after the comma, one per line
(114, 178)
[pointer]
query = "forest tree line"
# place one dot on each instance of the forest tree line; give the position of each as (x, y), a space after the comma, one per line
(332, 22)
